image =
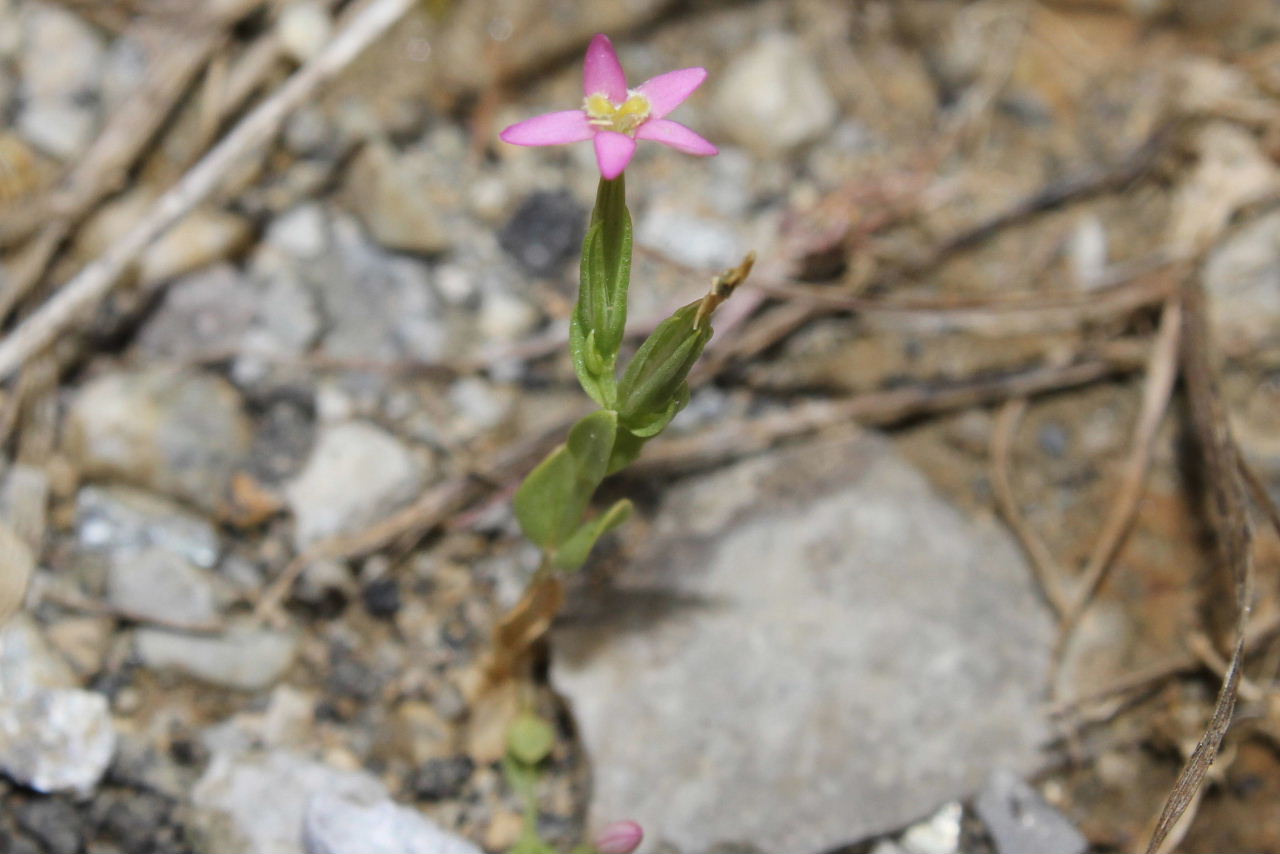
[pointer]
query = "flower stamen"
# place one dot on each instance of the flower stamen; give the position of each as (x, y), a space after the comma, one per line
(623, 118)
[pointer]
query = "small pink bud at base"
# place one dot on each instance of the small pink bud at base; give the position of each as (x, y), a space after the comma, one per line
(619, 837)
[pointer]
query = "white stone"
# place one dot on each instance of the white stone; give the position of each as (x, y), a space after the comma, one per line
(692, 240)
(256, 801)
(27, 663)
(120, 519)
(506, 317)
(814, 637)
(355, 474)
(162, 586)
(56, 741)
(243, 659)
(304, 29)
(302, 231)
(346, 823)
(1242, 282)
(772, 98)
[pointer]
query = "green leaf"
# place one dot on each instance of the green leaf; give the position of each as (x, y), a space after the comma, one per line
(626, 448)
(573, 553)
(552, 499)
(530, 738)
(521, 777)
(595, 373)
(656, 376)
(599, 318)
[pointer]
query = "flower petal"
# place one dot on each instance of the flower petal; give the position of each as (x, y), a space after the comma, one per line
(550, 129)
(668, 91)
(676, 136)
(602, 72)
(613, 152)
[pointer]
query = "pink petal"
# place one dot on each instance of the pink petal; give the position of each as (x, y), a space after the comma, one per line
(613, 152)
(619, 837)
(602, 72)
(668, 91)
(676, 136)
(550, 129)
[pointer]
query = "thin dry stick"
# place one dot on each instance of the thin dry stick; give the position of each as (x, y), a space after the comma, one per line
(104, 167)
(1162, 371)
(1049, 574)
(1230, 521)
(96, 280)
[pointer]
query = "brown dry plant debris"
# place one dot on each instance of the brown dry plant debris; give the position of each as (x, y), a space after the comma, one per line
(1228, 516)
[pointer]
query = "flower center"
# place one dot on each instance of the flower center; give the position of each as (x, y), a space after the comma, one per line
(623, 118)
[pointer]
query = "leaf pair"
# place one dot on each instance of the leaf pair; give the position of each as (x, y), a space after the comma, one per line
(552, 500)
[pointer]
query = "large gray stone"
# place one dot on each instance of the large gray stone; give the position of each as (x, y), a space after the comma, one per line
(255, 801)
(808, 648)
(178, 432)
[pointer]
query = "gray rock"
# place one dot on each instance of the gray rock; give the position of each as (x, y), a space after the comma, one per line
(162, 586)
(24, 502)
(378, 307)
(57, 740)
(27, 663)
(302, 232)
(386, 192)
(1019, 820)
(118, 519)
(694, 241)
(243, 659)
(176, 431)
(1242, 281)
(52, 821)
(346, 823)
(206, 313)
(59, 113)
(236, 787)
(355, 474)
(772, 98)
(816, 622)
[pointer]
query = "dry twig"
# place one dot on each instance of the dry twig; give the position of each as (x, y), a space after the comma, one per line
(1162, 371)
(1229, 519)
(93, 282)
(1049, 574)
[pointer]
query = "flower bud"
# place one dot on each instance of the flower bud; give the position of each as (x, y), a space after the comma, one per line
(619, 837)
(653, 387)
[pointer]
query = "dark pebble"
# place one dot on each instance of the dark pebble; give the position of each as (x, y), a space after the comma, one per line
(382, 597)
(53, 823)
(544, 232)
(443, 778)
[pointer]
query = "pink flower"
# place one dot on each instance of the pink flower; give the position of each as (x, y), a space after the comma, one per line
(619, 837)
(614, 117)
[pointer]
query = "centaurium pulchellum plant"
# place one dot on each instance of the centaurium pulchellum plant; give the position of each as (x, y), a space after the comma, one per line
(553, 501)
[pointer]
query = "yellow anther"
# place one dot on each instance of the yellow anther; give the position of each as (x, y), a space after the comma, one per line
(623, 118)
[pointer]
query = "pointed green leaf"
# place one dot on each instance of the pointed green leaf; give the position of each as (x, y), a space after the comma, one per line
(573, 554)
(552, 499)
(600, 315)
(543, 497)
